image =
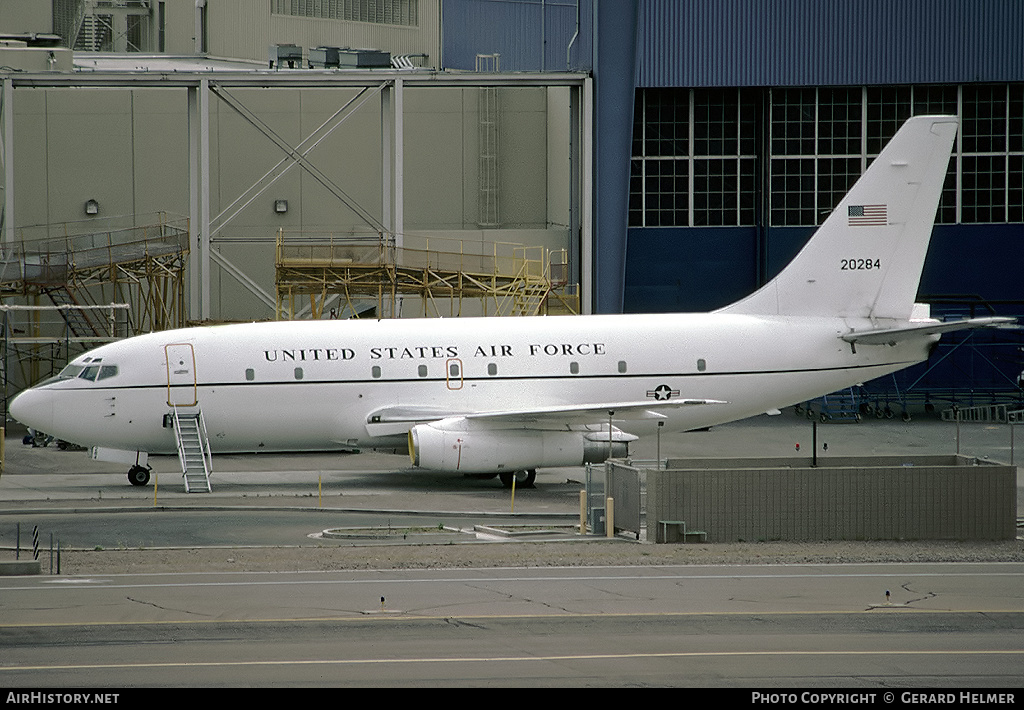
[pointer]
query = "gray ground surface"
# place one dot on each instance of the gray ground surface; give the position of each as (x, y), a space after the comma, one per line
(530, 554)
(50, 480)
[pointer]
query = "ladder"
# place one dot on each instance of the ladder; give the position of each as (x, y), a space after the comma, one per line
(193, 450)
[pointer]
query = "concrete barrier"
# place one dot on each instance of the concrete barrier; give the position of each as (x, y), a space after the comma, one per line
(17, 568)
(842, 498)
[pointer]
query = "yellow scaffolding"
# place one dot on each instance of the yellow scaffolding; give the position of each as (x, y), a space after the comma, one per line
(67, 288)
(369, 274)
(84, 264)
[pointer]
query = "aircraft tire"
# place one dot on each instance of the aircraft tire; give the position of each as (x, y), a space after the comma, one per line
(524, 479)
(138, 475)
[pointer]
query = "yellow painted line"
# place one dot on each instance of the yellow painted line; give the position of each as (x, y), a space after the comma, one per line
(498, 659)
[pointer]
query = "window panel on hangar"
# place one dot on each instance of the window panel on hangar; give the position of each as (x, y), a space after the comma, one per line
(695, 160)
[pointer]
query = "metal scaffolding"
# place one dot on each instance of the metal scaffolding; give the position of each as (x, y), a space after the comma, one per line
(360, 275)
(65, 287)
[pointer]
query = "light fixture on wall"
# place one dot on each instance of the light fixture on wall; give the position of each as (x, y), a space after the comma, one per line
(280, 206)
(92, 207)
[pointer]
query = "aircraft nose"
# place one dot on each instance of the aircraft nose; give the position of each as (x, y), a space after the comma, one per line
(33, 408)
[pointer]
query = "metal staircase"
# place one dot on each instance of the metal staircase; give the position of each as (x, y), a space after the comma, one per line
(193, 449)
(79, 325)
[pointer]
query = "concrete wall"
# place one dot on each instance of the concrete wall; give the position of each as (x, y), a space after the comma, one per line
(25, 16)
(885, 498)
(245, 29)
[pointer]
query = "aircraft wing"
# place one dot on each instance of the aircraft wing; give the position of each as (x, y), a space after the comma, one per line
(889, 336)
(592, 413)
(397, 419)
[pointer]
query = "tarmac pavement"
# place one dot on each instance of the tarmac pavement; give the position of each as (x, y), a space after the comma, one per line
(373, 479)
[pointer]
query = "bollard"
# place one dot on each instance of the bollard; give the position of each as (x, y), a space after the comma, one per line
(609, 517)
(583, 512)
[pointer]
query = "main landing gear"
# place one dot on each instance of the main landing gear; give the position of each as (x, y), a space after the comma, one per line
(138, 475)
(523, 479)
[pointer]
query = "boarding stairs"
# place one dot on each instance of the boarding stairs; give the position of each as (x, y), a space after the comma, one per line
(193, 449)
(843, 405)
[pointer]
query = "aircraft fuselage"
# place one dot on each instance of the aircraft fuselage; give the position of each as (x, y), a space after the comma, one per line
(293, 386)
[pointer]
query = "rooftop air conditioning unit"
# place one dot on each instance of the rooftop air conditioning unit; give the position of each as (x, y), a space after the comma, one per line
(364, 59)
(285, 53)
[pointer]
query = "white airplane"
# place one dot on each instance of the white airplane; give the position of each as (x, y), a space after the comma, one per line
(506, 396)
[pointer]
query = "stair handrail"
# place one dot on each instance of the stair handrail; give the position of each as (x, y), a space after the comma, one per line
(204, 444)
(179, 445)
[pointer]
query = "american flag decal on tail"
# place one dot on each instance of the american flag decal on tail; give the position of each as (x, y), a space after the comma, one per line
(868, 215)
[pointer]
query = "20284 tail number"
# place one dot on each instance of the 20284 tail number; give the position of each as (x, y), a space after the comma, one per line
(859, 264)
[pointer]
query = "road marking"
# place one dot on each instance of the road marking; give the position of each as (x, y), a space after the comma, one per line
(377, 616)
(498, 659)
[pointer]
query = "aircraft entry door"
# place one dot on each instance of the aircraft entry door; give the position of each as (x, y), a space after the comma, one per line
(453, 373)
(181, 375)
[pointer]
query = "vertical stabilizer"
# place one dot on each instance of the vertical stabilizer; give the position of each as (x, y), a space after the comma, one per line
(866, 259)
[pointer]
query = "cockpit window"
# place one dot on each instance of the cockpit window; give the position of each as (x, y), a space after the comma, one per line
(107, 371)
(70, 371)
(95, 373)
(90, 373)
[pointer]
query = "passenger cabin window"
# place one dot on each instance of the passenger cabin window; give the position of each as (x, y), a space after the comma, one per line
(422, 370)
(375, 371)
(453, 369)
(250, 374)
(298, 373)
(701, 365)
(622, 366)
(492, 369)
(574, 368)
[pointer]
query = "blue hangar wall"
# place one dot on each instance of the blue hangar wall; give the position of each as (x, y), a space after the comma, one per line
(677, 228)
(775, 48)
(752, 120)
(907, 57)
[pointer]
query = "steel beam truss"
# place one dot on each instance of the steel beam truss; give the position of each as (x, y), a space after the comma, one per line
(390, 85)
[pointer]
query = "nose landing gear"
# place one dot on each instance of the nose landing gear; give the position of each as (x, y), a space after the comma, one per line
(138, 475)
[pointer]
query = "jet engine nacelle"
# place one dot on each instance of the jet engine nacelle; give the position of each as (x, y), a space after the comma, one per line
(442, 447)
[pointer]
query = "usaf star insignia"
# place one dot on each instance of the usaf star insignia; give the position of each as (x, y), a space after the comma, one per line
(662, 392)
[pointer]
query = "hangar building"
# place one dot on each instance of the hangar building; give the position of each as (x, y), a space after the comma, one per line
(680, 152)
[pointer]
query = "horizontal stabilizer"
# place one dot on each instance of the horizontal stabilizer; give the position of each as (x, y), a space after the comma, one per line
(890, 336)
